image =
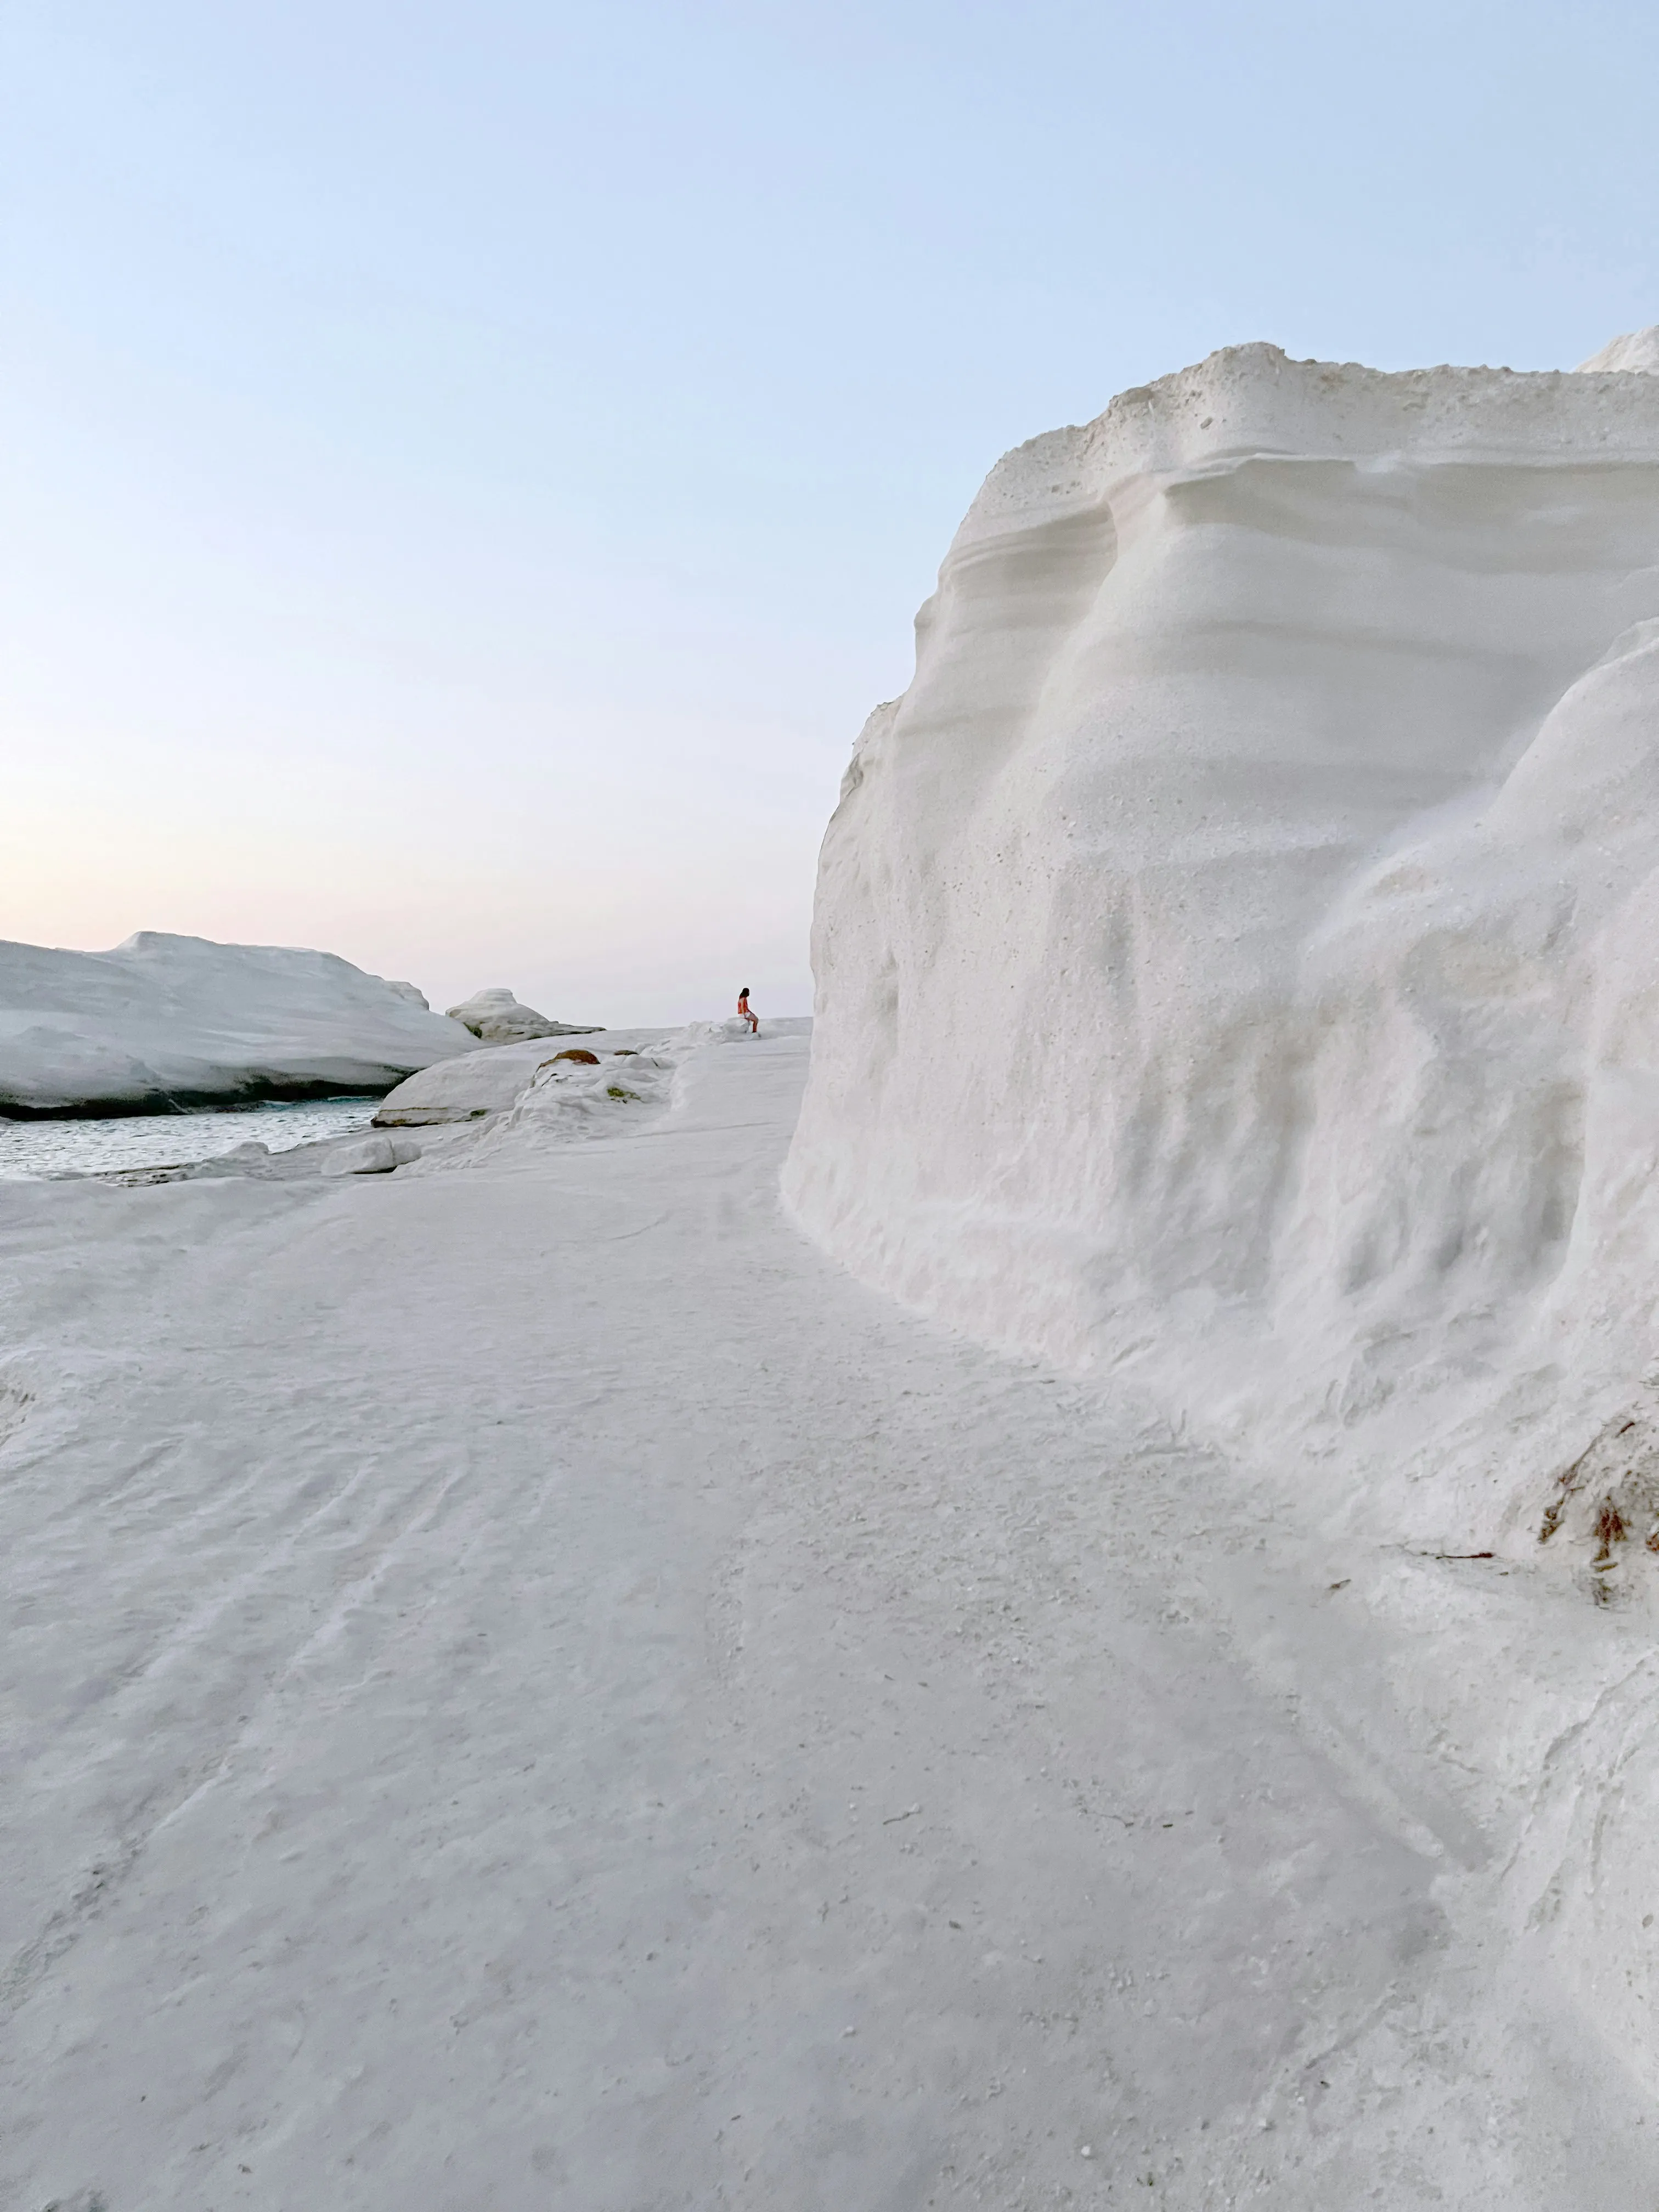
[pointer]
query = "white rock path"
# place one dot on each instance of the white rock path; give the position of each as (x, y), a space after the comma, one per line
(527, 1688)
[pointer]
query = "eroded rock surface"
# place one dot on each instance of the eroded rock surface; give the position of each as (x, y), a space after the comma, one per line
(1280, 773)
(496, 1017)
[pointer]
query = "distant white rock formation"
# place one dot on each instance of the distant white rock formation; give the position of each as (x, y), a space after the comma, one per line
(1237, 952)
(166, 1021)
(495, 1017)
(1637, 350)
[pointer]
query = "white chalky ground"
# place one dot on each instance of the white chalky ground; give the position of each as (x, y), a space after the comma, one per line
(527, 1687)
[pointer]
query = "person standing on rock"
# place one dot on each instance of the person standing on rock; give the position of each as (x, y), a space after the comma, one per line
(744, 1012)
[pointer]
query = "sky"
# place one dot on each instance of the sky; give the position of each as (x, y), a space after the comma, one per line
(468, 472)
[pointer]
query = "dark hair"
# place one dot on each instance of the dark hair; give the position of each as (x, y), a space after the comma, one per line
(743, 993)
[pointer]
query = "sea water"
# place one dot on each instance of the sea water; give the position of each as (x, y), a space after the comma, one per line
(30, 1149)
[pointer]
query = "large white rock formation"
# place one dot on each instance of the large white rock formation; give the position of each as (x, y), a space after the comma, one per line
(1237, 952)
(167, 1021)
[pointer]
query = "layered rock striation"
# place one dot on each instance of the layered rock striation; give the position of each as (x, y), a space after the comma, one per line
(1237, 952)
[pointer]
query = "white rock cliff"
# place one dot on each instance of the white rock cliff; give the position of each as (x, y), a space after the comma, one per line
(1237, 952)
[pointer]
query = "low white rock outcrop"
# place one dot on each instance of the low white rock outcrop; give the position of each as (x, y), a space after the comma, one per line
(370, 1155)
(496, 1017)
(495, 1077)
(484, 1081)
(166, 1021)
(1237, 952)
